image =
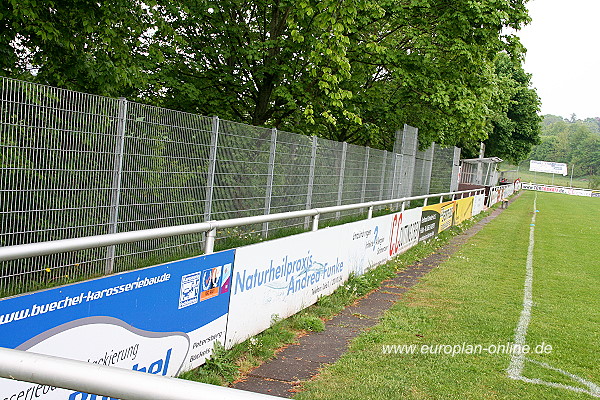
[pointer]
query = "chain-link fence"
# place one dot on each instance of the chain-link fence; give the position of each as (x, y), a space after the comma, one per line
(73, 165)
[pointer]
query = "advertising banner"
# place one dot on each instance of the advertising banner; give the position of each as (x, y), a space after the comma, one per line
(162, 320)
(436, 218)
(478, 203)
(275, 279)
(559, 189)
(517, 184)
(404, 232)
(548, 167)
(580, 192)
(430, 224)
(463, 210)
(496, 194)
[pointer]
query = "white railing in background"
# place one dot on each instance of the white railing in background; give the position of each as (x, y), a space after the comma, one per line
(499, 193)
(91, 242)
(562, 189)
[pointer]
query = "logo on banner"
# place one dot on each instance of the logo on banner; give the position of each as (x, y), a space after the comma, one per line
(211, 280)
(190, 289)
(376, 244)
(376, 234)
(203, 285)
(446, 214)
(226, 280)
(403, 234)
(289, 276)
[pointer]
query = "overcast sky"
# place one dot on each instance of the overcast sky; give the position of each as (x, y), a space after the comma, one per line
(563, 55)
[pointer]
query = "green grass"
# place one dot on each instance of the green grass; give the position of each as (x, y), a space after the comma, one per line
(227, 366)
(476, 297)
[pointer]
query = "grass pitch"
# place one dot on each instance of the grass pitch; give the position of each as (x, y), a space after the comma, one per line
(474, 301)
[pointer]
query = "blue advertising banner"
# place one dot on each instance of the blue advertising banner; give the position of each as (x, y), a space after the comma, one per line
(162, 320)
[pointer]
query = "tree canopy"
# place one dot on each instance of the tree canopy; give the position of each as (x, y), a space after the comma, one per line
(96, 47)
(352, 70)
(515, 122)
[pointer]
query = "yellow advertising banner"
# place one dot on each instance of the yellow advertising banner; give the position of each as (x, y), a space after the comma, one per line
(463, 210)
(441, 215)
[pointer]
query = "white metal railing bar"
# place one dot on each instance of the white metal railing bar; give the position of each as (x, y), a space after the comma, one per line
(132, 385)
(560, 187)
(90, 242)
(117, 383)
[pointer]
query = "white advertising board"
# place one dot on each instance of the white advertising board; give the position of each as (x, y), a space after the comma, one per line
(558, 189)
(276, 279)
(548, 167)
(404, 231)
(478, 203)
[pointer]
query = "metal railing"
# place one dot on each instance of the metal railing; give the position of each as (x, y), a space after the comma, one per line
(116, 383)
(131, 385)
(499, 193)
(210, 227)
(74, 165)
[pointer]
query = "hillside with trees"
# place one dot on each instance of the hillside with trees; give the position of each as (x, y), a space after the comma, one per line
(349, 70)
(572, 141)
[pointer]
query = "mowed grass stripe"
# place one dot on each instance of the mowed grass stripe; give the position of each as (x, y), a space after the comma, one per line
(475, 298)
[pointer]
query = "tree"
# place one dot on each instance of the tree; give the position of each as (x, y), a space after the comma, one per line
(351, 70)
(551, 119)
(96, 47)
(576, 143)
(516, 124)
(258, 62)
(593, 123)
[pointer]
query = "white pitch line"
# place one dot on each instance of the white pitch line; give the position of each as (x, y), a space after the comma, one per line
(592, 388)
(517, 361)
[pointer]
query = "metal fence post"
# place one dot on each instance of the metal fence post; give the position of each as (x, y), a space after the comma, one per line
(116, 183)
(341, 184)
(455, 170)
(394, 176)
(428, 167)
(408, 149)
(269, 192)
(365, 172)
(209, 242)
(383, 169)
(311, 179)
(393, 183)
(212, 164)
